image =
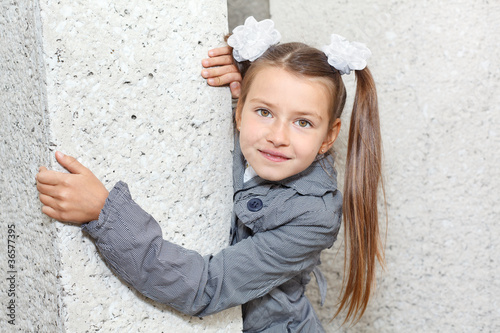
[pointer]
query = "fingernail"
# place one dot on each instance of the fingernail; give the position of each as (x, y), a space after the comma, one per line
(204, 62)
(204, 73)
(59, 154)
(211, 81)
(210, 53)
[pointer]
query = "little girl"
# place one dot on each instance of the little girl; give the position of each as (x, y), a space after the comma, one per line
(287, 207)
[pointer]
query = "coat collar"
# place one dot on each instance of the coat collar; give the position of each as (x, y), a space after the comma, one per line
(319, 178)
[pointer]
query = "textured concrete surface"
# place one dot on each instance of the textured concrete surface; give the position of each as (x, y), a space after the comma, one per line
(118, 86)
(437, 69)
(28, 256)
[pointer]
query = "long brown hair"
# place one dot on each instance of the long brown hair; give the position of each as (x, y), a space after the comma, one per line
(363, 173)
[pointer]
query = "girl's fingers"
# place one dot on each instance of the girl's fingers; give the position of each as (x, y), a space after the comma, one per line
(235, 89)
(224, 79)
(70, 163)
(50, 177)
(224, 50)
(217, 61)
(47, 200)
(50, 190)
(219, 71)
(51, 212)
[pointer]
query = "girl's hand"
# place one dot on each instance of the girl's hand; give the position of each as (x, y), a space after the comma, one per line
(77, 197)
(224, 70)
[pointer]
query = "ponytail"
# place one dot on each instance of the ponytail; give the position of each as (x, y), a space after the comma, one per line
(363, 173)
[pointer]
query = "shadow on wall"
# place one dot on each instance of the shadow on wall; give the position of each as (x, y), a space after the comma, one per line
(239, 10)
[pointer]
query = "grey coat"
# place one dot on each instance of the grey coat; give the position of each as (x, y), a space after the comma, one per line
(278, 231)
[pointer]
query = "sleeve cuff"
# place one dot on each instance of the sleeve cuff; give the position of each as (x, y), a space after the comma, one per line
(119, 195)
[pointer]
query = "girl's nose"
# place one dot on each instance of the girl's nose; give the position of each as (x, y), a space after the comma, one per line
(278, 134)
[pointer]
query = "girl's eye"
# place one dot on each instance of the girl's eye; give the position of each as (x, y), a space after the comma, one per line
(303, 123)
(264, 113)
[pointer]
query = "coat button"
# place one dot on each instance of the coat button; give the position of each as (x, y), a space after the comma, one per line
(254, 205)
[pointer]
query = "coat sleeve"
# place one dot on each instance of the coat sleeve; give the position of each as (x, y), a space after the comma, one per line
(131, 242)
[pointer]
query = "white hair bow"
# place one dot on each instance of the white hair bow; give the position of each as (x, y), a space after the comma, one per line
(346, 56)
(251, 40)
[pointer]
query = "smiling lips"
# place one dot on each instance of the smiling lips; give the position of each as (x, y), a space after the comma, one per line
(274, 156)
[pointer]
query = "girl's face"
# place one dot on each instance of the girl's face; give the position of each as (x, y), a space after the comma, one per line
(283, 123)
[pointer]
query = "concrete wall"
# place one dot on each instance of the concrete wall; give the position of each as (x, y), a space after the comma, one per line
(437, 69)
(28, 256)
(117, 85)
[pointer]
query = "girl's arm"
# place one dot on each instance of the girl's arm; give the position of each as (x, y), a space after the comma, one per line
(220, 70)
(131, 242)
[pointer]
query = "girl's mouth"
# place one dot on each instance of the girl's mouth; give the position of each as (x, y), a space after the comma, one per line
(274, 156)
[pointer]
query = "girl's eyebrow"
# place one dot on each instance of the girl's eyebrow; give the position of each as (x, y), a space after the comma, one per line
(299, 113)
(261, 101)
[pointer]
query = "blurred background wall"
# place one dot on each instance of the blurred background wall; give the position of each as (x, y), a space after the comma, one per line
(437, 71)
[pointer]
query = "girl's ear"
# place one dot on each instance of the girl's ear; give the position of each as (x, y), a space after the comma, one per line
(331, 136)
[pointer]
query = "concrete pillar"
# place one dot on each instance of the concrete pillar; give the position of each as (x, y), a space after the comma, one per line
(117, 85)
(437, 71)
(29, 286)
